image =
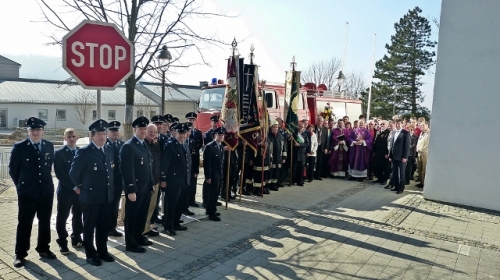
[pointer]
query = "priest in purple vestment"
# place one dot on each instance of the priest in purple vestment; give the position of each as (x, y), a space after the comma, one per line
(337, 163)
(360, 144)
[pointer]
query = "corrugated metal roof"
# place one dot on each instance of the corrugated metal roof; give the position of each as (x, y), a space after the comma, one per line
(175, 92)
(44, 91)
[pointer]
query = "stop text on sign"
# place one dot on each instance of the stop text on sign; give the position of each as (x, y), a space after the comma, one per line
(108, 56)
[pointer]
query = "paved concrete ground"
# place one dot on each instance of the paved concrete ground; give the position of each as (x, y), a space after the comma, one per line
(330, 229)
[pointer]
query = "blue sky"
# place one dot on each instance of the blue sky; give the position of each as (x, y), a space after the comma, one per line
(311, 30)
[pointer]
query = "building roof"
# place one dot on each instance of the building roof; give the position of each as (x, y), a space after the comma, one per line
(173, 92)
(10, 61)
(61, 92)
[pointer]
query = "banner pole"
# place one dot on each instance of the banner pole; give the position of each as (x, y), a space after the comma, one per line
(227, 177)
(242, 176)
(291, 164)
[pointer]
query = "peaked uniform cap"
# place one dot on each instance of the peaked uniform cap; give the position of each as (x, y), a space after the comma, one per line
(99, 125)
(114, 125)
(220, 130)
(158, 119)
(140, 122)
(191, 115)
(33, 123)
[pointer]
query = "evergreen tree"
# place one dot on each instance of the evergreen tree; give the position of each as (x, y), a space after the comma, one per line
(409, 55)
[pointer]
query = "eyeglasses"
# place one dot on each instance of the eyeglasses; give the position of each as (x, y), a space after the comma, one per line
(370, 124)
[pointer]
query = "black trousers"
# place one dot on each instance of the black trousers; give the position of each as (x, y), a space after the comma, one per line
(182, 204)
(212, 193)
(298, 172)
(115, 205)
(382, 173)
(409, 169)
(28, 208)
(67, 202)
(398, 174)
(95, 218)
(136, 214)
(191, 195)
(172, 195)
(320, 163)
(310, 167)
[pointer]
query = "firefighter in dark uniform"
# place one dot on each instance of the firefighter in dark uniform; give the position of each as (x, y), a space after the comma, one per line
(113, 141)
(277, 155)
(159, 122)
(212, 166)
(67, 199)
(175, 177)
(92, 173)
(208, 136)
(261, 168)
(194, 153)
(248, 171)
(168, 122)
(30, 168)
(137, 171)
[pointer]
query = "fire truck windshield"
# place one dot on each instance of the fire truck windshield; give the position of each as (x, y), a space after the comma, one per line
(211, 98)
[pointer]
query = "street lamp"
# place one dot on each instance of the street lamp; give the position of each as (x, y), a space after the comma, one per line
(341, 79)
(164, 57)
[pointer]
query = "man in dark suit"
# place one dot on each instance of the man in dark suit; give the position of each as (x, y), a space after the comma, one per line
(398, 155)
(67, 198)
(30, 168)
(175, 177)
(92, 174)
(114, 142)
(212, 166)
(195, 133)
(323, 147)
(136, 165)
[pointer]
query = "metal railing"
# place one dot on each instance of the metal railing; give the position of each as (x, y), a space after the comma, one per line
(4, 165)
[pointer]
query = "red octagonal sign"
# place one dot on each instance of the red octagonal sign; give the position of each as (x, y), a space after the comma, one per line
(97, 55)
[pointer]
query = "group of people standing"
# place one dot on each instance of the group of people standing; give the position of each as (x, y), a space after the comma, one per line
(162, 156)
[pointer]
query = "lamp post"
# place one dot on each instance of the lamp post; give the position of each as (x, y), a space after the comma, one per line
(162, 57)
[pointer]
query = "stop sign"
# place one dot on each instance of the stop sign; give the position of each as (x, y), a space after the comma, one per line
(97, 55)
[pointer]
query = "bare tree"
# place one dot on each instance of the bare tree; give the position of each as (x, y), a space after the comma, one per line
(322, 72)
(148, 25)
(84, 103)
(146, 107)
(354, 84)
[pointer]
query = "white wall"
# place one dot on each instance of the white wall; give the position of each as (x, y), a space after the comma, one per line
(179, 108)
(464, 154)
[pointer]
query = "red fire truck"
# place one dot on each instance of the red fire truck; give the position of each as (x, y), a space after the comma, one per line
(312, 101)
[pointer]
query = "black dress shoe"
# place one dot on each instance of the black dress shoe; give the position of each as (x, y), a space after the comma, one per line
(188, 213)
(18, 262)
(419, 185)
(194, 204)
(214, 218)
(274, 188)
(64, 249)
(170, 232)
(300, 184)
(245, 193)
(280, 185)
(361, 179)
(216, 214)
(144, 242)
(318, 178)
(394, 190)
(383, 182)
(136, 249)
(180, 228)
(48, 255)
(115, 233)
(388, 187)
(180, 221)
(266, 191)
(152, 233)
(399, 192)
(218, 204)
(94, 261)
(352, 178)
(309, 181)
(106, 257)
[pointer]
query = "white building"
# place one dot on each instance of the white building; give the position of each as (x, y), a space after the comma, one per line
(69, 105)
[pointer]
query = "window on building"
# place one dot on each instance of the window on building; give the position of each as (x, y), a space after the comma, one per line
(152, 113)
(94, 115)
(111, 115)
(140, 113)
(43, 114)
(61, 114)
